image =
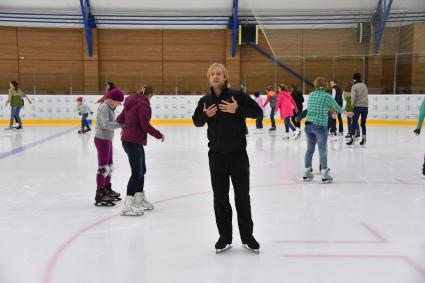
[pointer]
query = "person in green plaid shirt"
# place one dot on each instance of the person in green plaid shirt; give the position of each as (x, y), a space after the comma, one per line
(316, 127)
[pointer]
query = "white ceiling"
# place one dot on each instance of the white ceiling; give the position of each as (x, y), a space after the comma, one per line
(222, 7)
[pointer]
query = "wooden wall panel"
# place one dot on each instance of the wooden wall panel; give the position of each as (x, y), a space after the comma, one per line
(283, 42)
(50, 44)
(419, 38)
(418, 73)
(130, 76)
(373, 78)
(406, 38)
(130, 45)
(91, 76)
(51, 76)
(233, 64)
(390, 43)
(194, 45)
(8, 43)
(8, 72)
(259, 75)
(95, 46)
(331, 42)
(188, 77)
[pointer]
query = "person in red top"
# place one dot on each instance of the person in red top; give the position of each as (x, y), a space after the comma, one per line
(135, 119)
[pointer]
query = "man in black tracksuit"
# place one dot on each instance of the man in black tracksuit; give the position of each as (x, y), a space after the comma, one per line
(337, 95)
(225, 110)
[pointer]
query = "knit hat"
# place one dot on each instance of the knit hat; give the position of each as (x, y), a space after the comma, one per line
(115, 94)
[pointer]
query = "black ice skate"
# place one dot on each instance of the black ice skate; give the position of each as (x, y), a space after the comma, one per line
(423, 169)
(350, 141)
(223, 244)
(81, 131)
(363, 141)
(103, 199)
(251, 244)
(87, 130)
(113, 194)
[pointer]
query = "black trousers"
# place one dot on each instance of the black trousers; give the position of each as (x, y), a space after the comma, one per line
(222, 168)
(136, 157)
(296, 123)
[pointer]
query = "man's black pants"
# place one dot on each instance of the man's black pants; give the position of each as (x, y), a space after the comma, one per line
(223, 167)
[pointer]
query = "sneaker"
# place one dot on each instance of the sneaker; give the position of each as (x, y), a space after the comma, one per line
(326, 177)
(131, 208)
(140, 199)
(251, 244)
(308, 174)
(223, 244)
(103, 199)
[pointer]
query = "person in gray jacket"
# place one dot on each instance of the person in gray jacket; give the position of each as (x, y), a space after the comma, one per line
(84, 111)
(105, 126)
(360, 103)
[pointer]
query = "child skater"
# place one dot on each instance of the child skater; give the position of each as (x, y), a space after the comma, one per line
(105, 126)
(135, 119)
(83, 110)
(259, 121)
(286, 105)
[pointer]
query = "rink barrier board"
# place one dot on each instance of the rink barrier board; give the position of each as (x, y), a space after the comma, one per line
(178, 109)
(189, 122)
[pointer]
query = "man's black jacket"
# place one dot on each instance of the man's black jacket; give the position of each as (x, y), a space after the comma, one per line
(226, 131)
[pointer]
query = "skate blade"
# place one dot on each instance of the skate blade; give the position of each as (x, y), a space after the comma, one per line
(104, 204)
(257, 251)
(148, 208)
(123, 213)
(326, 181)
(117, 199)
(307, 179)
(220, 251)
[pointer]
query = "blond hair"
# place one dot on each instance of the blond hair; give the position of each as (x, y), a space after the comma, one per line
(283, 87)
(220, 66)
(321, 83)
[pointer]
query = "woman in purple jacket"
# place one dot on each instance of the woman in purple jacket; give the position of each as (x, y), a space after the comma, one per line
(135, 119)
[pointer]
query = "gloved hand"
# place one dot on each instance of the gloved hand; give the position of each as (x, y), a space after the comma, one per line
(79, 113)
(417, 131)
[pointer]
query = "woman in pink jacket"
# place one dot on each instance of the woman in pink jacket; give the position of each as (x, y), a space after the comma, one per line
(286, 105)
(135, 119)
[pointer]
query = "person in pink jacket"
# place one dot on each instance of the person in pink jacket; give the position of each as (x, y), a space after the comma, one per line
(286, 105)
(135, 119)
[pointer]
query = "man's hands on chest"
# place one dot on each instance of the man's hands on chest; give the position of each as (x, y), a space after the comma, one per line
(229, 107)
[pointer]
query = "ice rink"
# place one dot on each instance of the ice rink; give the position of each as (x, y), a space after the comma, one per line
(368, 226)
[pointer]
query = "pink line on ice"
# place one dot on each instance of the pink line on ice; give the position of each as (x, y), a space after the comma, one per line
(370, 230)
(54, 259)
(406, 259)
